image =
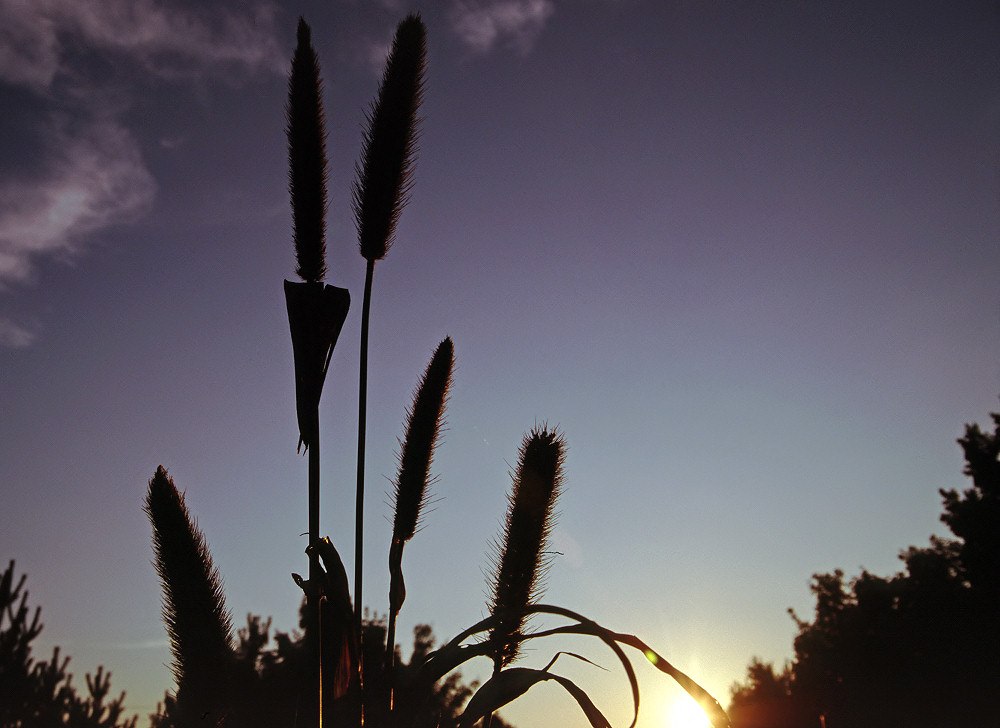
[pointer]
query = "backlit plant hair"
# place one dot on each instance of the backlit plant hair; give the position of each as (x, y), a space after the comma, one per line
(424, 421)
(385, 175)
(307, 172)
(385, 172)
(521, 559)
(194, 607)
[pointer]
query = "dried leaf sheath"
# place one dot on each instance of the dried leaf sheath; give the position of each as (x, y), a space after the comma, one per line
(521, 559)
(385, 172)
(307, 159)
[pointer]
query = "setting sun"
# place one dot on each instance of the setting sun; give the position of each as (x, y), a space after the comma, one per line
(684, 712)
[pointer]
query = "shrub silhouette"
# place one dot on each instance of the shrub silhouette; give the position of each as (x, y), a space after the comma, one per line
(41, 694)
(344, 670)
(918, 648)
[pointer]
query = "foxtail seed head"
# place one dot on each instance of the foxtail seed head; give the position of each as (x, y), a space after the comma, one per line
(423, 429)
(385, 172)
(521, 560)
(307, 171)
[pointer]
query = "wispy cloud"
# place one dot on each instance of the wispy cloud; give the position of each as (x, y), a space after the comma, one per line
(516, 23)
(90, 173)
(13, 335)
(94, 177)
(38, 39)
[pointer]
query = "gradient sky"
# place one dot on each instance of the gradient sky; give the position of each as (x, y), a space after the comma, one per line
(744, 255)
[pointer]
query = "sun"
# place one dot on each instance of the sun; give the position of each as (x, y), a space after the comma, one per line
(684, 712)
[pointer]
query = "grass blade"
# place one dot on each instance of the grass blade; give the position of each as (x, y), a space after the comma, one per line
(508, 685)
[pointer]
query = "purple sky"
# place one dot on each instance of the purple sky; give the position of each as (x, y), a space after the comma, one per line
(743, 254)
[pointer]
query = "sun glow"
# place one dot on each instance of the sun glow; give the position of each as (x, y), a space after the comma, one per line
(684, 712)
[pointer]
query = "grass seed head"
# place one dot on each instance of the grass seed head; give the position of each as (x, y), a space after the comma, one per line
(385, 172)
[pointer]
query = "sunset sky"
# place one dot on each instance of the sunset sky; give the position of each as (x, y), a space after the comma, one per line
(743, 254)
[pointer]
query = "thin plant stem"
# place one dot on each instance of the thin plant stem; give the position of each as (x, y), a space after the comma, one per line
(424, 421)
(314, 574)
(359, 523)
(314, 569)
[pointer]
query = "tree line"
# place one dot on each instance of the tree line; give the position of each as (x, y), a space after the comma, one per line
(920, 648)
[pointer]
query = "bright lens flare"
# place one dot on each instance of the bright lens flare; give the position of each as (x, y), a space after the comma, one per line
(684, 712)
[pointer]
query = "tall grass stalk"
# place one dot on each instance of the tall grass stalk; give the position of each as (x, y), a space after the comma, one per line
(424, 421)
(307, 174)
(385, 176)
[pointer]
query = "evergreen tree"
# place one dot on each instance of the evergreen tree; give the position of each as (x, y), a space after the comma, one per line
(41, 694)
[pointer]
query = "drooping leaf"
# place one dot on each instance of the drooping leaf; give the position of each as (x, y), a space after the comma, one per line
(718, 717)
(502, 688)
(711, 706)
(585, 626)
(450, 656)
(510, 684)
(595, 716)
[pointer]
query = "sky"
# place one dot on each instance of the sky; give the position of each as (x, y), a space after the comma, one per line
(743, 255)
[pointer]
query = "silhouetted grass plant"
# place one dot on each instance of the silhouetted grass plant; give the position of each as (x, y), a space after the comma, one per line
(385, 177)
(193, 604)
(316, 312)
(423, 429)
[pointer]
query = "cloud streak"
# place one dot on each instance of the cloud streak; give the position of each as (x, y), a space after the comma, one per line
(39, 39)
(90, 173)
(95, 177)
(516, 23)
(13, 335)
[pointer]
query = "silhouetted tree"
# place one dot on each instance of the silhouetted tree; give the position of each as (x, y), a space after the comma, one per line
(765, 700)
(41, 694)
(918, 648)
(973, 516)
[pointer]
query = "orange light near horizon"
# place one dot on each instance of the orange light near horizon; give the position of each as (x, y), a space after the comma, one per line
(684, 712)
